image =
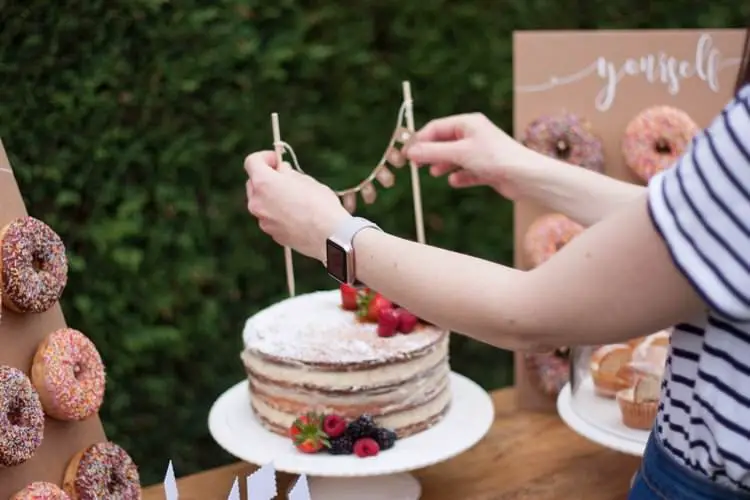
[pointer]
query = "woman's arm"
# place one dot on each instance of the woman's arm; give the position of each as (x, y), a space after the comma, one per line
(613, 282)
(585, 196)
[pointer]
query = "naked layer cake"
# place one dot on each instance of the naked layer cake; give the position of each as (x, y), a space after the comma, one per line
(308, 353)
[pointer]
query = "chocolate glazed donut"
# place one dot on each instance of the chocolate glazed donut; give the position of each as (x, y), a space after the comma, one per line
(103, 470)
(21, 418)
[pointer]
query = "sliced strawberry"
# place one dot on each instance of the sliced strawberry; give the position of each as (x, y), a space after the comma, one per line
(307, 433)
(407, 322)
(370, 304)
(388, 321)
(349, 297)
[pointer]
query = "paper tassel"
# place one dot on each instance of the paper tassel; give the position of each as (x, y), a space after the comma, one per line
(170, 484)
(261, 484)
(385, 177)
(234, 493)
(301, 489)
(369, 194)
(350, 202)
(402, 135)
(395, 158)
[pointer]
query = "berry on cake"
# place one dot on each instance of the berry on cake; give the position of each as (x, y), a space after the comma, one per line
(312, 433)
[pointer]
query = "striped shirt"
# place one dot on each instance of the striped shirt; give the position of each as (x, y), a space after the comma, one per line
(701, 208)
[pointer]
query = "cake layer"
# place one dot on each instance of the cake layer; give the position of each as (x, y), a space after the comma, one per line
(314, 330)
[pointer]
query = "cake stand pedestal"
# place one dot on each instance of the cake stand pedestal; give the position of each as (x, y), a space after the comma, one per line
(598, 419)
(233, 425)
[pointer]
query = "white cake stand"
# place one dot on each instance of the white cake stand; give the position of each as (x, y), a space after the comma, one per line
(598, 419)
(235, 428)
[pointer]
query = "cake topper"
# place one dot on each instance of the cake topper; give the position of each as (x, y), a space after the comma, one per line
(392, 158)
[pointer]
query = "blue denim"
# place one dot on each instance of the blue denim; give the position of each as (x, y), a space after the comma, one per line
(662, 478)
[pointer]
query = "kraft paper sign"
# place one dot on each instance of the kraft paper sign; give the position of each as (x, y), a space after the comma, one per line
(607, 77)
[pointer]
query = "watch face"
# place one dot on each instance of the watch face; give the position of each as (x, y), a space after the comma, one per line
(336, 261)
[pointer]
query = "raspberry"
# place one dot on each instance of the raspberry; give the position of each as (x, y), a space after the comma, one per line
(366, 447)
(342, 445)
(334, 425)
(406, 321)
(385, 438)
(361, 427)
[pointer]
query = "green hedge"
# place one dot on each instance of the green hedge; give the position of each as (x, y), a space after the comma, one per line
(127, 123)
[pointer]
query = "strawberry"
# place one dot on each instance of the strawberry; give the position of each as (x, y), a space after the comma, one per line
(334, 425)
(307, 433)
(349, 297)
(366, 447)
(406, 321)
(370, 304)
(388, 321)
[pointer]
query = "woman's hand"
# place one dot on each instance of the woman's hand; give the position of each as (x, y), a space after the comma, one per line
(293, 208)
(473, 152)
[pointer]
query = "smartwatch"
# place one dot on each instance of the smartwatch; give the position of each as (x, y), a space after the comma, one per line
(340, 262)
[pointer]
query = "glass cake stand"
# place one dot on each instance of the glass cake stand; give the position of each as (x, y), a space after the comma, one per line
(592, 416)
(233, 425)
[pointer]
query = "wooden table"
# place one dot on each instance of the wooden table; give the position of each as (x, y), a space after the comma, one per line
(525, 456)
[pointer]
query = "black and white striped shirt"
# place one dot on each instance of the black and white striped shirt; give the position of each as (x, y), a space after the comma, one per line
(701, 208)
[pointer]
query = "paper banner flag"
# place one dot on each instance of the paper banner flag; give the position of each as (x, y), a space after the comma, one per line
(234, 493)
(261, 484)
(170, 484)
(301, 489)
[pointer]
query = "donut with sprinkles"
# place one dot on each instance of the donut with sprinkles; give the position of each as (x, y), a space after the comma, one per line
(102, 470)
(41, 491)
(69, 375)
(548, 371)
(21, 418)
(547, 235)
(655, 139)
(34, 265)
(567, 137)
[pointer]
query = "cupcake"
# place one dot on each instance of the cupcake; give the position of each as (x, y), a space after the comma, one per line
(609, 369)
(652, 350)
(639, 404)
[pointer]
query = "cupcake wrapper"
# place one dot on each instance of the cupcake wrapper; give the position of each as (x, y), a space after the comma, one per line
(639, 415)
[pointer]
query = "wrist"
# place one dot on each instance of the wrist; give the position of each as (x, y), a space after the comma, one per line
(327, 228)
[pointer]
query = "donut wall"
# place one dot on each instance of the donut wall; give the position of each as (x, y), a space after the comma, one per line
(52, 380)
(623, 103)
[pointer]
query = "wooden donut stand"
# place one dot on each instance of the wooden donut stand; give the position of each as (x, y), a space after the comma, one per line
(19, 336)
(607, 77)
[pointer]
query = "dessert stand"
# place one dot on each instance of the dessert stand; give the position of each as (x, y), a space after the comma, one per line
(235, 428)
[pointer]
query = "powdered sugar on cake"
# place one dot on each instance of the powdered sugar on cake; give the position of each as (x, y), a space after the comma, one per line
(313, 328)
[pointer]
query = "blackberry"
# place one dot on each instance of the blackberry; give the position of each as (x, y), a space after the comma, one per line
(385, 438)
(361, 427)
(342, 445)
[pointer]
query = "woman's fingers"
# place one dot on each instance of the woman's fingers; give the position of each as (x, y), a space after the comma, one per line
(441, 169)
(464, 179)
(433, 153)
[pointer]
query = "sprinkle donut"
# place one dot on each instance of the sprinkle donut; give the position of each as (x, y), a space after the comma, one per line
(567, 137)
(34, 266)
(655, 139)
(68, 373)
(21, 418)
(547, 235)
(102, 470)
(41, 491)
(548, 371)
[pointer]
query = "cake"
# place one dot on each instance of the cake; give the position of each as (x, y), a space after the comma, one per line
(308, 354)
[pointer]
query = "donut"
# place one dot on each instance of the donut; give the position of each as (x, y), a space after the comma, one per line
(655, 139)
(41, 491)
(21, 418)
(548, 371)
(102, 470)
(567, 137)
(34, 266)
(68, 373)
(547, 235)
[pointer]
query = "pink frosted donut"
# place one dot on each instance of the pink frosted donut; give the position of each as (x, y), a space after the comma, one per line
(567, 137)
(548, 371)
(41, 491)
(21, 418)
(547, 235)
(68, 373)
(102, 471)
(655, 139)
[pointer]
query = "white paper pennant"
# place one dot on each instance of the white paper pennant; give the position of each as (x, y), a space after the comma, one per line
(234, 493)
(261, 484)
(301, 489)
(170, 484)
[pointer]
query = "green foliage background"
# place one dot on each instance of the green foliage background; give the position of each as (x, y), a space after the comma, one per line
(127, 123)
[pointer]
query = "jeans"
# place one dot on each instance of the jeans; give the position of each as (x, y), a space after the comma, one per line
(662, 478)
